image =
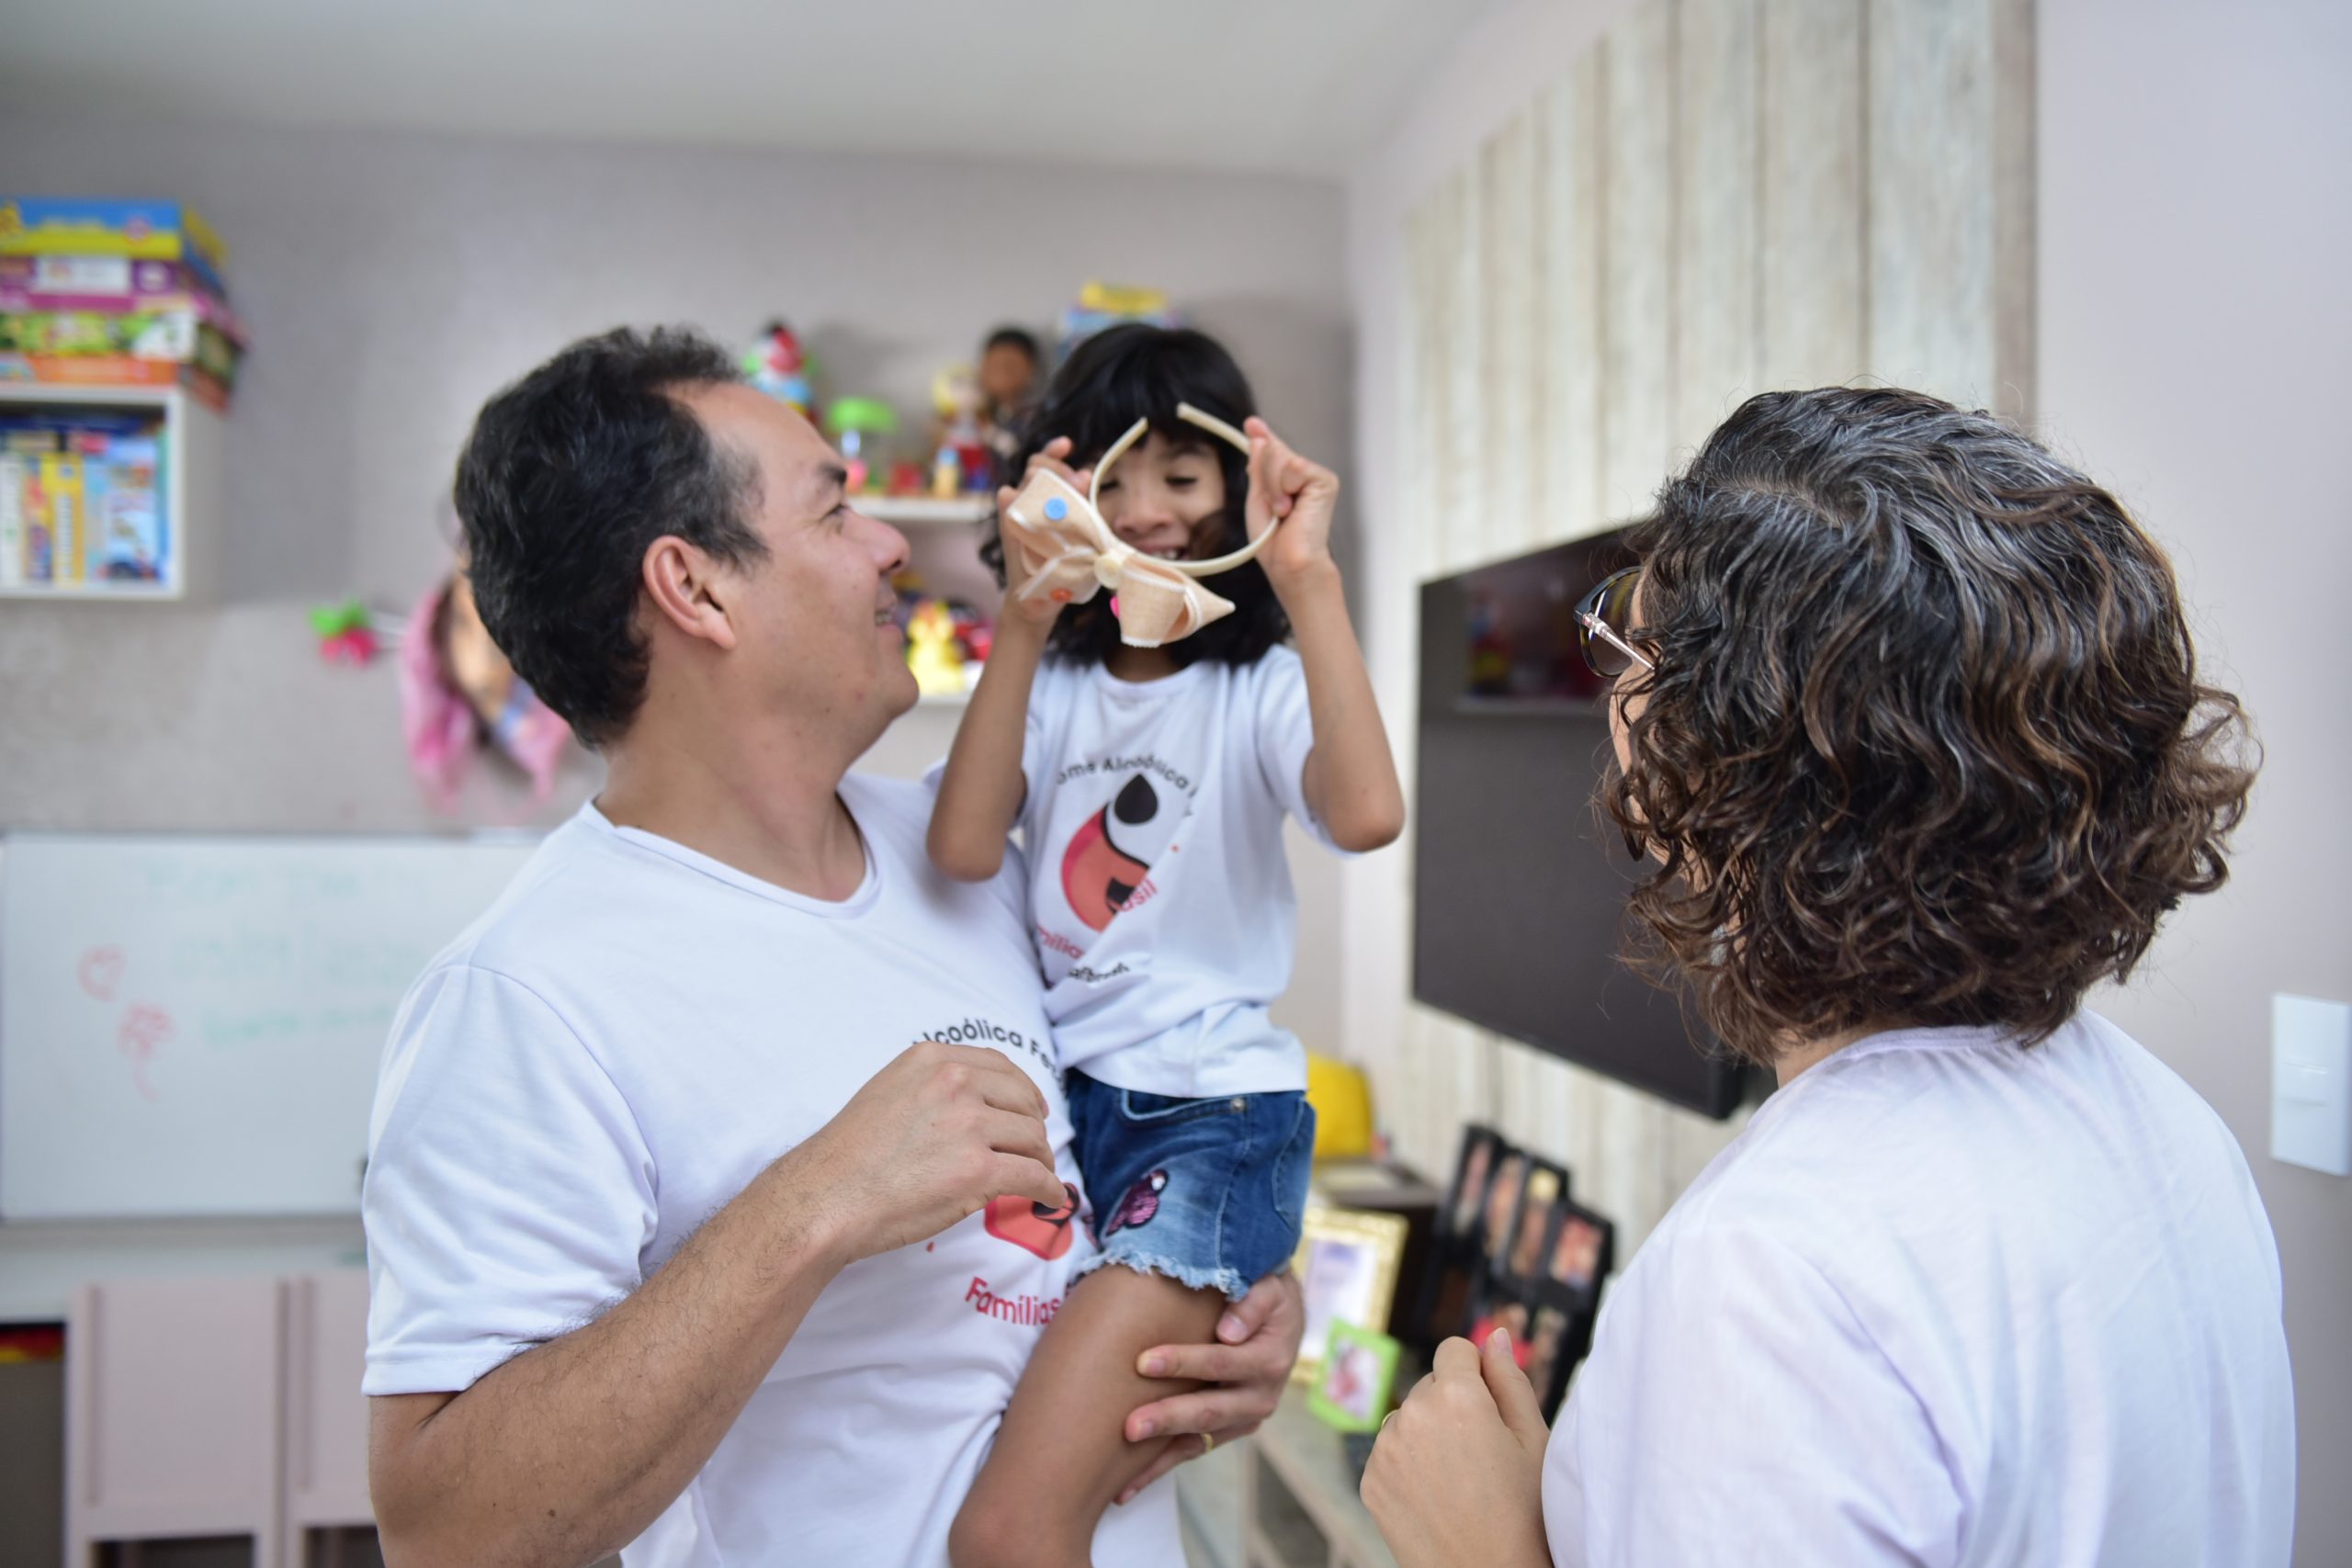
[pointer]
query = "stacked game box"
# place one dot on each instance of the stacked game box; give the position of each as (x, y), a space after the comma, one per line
(115, 293)
(84, 498)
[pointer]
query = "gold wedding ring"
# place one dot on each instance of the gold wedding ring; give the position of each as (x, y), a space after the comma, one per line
(1208, 1441)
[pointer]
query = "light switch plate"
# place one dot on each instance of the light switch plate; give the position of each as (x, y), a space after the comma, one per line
(2311, 1083)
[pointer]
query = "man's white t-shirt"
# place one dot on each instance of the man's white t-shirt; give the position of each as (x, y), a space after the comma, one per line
(1950, 1302)
(1162, 802)
(610, 1055)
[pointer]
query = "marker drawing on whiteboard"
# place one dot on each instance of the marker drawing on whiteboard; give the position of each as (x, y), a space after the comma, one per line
(144, 1028)
(100, 971)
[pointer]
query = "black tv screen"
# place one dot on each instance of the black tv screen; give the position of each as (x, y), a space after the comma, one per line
(1519, 897)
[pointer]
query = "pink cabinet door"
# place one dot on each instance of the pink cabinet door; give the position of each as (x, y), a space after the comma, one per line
(326, 1416)
(174, 1405)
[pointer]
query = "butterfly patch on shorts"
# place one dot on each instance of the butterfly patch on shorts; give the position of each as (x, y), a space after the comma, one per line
(1137, 1207)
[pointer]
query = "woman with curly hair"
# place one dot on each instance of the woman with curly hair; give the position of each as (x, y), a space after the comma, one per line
(1907, 716)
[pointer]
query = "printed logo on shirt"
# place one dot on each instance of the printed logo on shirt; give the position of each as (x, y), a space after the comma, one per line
(983, 1031)
(1026, 1311)
(1027, 1223)
(1106, 868)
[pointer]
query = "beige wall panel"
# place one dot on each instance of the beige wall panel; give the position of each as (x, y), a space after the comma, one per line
(1512, 389)
(1715, 223)
(1569, 118)
(1930, 196)
(1638, 258)
(1811, 281)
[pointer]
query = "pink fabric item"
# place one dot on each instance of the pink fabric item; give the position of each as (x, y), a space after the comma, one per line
(434, 720)
(439, 726)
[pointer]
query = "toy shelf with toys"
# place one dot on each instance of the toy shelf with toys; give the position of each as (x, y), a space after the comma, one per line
(107, 493)
(926, 512)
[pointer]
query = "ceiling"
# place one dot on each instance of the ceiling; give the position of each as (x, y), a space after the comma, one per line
(1293, 87)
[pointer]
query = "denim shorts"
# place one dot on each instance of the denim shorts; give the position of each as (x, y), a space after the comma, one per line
(1206, 1192)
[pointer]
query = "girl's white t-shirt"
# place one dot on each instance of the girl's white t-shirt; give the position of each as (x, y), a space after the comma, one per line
(610, 1055)
(1946, 1303)
(1165, 919)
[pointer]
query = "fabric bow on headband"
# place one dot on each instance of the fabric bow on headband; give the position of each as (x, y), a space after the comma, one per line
(1058, 545)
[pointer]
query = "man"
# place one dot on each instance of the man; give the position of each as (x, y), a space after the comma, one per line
(720, 1180)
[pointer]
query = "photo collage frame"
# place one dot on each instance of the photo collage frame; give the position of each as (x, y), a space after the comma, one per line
(1513, 1250)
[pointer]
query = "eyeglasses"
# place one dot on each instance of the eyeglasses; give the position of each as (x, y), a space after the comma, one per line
(1604, 622)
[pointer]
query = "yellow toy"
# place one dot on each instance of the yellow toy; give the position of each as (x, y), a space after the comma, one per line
(931, 653)
(1342, 1096)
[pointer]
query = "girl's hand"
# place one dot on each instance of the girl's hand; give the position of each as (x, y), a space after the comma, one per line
(1054, 457)
(1301, 494)
(1457, 1475)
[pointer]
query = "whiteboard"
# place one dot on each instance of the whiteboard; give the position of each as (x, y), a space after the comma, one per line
(192, 1025)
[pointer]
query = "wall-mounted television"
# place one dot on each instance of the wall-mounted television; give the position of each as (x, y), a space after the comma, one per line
(1519, 888)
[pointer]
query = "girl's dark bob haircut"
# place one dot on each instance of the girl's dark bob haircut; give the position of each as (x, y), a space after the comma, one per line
(1112, 379)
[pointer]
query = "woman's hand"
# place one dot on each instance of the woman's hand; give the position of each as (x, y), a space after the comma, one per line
(1457, 1475)
(1301, 494)
(1258, 1342)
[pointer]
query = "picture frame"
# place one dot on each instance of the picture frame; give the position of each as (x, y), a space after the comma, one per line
(1346, 1263)
(1473, 1167)
(1358, 1381)
(1544, 1196)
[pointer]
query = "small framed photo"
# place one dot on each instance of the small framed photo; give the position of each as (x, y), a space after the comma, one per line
(1359, 1376)
(1580, 1253)
(1346, 1264)
(1466, 1202)
(1540, 1206)
(1502, 1206)
(1549, 1357)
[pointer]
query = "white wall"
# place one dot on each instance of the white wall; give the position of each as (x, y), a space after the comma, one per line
(2196, 222)
(2195, 330)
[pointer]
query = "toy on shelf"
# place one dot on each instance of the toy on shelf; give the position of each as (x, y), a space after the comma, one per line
(855, 423)
(1010, 363)
(965, 463)
(458, 695)
(346, 633)
(778, 366)
(931, 652)
(1102, 304)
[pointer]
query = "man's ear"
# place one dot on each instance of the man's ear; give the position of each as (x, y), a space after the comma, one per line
(686, 588)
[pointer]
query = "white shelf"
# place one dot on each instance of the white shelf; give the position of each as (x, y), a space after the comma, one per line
(926, 510)
(193, 438)
(944, 700)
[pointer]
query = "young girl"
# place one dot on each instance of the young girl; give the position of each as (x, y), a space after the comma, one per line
(1150, 786)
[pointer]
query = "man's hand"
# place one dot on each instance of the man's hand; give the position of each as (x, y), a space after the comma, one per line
(930, 1138)
(1457, 1475)
(1246, 1369)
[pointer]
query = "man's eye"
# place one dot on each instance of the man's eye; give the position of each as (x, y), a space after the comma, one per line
(1181, 481)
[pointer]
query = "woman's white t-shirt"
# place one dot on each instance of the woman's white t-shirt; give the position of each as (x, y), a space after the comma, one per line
(1950, 1302)
(1160, 803)
(610, 1055)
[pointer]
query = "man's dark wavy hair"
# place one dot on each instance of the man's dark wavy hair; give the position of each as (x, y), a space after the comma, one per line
(568, 475)
(1926, 743)
(1112, 379)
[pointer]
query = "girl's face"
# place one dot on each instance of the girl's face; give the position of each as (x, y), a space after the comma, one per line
(1163, 496)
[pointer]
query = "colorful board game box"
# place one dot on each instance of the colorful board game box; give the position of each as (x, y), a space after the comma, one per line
(112, 284)
(114, 370)
(176, 335)
(89, 226)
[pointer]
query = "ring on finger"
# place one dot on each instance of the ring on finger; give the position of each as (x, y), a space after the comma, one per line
(1208, 1441)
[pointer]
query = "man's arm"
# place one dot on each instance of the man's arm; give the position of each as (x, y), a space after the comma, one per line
(568, 1452)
